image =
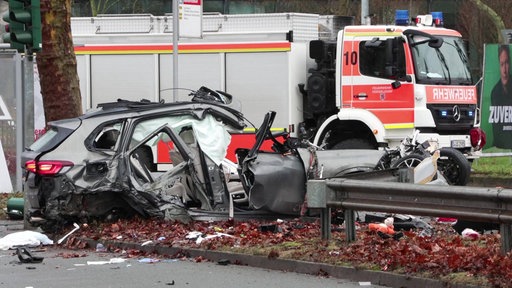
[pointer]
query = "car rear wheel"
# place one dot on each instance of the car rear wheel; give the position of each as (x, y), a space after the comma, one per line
(354, 143)
(455, 167)
(408, 161)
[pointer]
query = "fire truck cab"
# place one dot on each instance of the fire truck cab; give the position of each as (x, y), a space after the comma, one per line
(388, 80)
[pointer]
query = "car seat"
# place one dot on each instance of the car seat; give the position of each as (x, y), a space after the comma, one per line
(145, 156)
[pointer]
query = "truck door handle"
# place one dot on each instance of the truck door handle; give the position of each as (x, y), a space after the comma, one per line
(361, 96)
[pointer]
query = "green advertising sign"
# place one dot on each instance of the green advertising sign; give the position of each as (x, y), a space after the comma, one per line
(496, 99)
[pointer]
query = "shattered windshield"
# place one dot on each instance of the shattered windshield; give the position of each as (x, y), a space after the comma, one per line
(445, 65)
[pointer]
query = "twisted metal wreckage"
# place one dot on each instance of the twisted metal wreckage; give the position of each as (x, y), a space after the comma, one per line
(116, 175)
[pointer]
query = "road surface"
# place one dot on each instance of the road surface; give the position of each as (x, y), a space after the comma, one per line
(89, 268)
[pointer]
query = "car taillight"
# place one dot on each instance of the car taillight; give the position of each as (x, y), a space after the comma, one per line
(47, 167)
(478, 138)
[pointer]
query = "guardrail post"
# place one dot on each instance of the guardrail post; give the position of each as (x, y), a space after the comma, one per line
(350, 225)
(317, 198)
(505, 233)
(325, 223)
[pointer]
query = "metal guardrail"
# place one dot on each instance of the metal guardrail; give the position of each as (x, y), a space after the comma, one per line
(468, 203)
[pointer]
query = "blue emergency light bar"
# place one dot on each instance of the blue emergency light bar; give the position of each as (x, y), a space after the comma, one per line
(437, 18)
(432, 19)
(402, 17)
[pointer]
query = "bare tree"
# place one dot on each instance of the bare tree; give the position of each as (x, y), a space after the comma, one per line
(102, 6)
(326, 7)
(57, 62)
(493, 16)
(481, 22)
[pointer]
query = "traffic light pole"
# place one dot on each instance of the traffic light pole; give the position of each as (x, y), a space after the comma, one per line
(28, 99)
(24, 35)
(175, 53)
(18, 91)
(24, 93)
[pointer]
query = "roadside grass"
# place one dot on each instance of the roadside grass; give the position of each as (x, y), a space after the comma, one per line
(465, 279)
(498, 167)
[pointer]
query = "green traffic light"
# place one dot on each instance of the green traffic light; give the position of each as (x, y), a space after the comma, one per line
(6, 38)
(24, 18)
(21, 16)
(6, 18)
(13, 27)
(23, 37)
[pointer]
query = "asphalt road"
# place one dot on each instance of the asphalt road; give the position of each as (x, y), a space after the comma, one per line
(99, 269)
(56, 271)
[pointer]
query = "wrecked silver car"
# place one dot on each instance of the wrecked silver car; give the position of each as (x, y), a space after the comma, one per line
(109, 164)
(104, 163)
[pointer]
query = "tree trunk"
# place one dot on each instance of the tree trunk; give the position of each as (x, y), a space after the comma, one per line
(57, 63)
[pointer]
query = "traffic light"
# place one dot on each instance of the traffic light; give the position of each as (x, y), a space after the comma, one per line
(12, 26)
(24, 20)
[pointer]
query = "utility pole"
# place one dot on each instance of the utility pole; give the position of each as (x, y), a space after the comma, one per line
(175, 41)
(365, 12)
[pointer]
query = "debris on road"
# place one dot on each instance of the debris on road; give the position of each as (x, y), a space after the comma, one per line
(111, 261)
(67, 235)
(25, 256)
(149, 260)
(470, 234)
(386, 227)
(24, 238)
(200, 237)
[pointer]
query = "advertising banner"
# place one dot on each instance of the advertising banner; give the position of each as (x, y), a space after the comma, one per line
(496, 99)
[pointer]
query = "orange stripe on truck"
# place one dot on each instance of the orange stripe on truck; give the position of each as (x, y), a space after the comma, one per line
(183, 48)
(394, 116)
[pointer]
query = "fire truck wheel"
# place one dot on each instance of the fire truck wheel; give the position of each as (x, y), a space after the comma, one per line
(354, 143)
(454, 166)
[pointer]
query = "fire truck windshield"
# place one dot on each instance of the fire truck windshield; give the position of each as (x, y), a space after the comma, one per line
(445, 65)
